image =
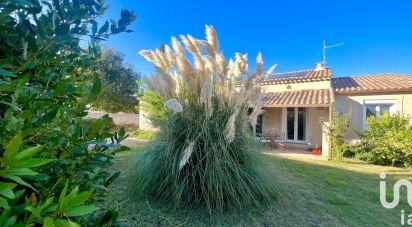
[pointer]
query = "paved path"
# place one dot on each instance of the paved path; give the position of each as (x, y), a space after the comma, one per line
(133, 142)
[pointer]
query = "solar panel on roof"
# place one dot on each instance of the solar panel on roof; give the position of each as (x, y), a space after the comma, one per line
(288, 75)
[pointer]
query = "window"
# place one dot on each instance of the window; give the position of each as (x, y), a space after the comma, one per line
(259, 125)
(291, 123)
(301, 123)
(296, 124)
(377, 109)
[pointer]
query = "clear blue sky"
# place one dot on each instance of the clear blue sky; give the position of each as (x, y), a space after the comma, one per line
(377, 34)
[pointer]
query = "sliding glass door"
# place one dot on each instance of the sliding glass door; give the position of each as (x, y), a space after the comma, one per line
(290, 118)
(296, 123)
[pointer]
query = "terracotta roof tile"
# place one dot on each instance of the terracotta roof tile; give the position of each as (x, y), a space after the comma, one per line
(320, 97)
(388, 82)
(299, 76)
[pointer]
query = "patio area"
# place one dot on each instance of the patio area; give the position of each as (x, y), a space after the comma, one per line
(295, 153)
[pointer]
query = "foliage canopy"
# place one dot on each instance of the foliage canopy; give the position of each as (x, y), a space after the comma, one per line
(119, 83)
(53, 161)
(387, 141)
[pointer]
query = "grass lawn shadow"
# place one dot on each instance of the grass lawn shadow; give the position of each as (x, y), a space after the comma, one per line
(311, 193)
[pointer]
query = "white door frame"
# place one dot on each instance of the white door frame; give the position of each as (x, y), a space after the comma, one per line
(284, 125)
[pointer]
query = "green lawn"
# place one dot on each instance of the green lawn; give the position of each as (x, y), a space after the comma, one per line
(311, 193)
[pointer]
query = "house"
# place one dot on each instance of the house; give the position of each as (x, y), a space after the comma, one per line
(295, 102)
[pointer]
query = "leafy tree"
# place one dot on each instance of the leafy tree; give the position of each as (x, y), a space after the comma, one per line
(53, 161)
(387, 141)
(119, 84)
(336, 133)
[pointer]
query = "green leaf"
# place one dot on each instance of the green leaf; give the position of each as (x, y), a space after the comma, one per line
(72, 194)
(11, 149)
(80, 198)
(46, 204)
(122, 132)
(29, 152)
(81, 210)
(73, 224)
(33, 162)
(94, 27)
(35, 211)
(104, 28)
(17, 172)
(6, 73)
(63, 195)
(97, 86)
(50, 115)
(10, 222)
(12, 123)
(48, 222)
(4, 216)
(51, 208)
(66, 223)
(3, 203)
(6, 189)
(20, 181)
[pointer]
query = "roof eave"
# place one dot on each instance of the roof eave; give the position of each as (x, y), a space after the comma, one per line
(297, 105)
(280, 81)
(390, 91)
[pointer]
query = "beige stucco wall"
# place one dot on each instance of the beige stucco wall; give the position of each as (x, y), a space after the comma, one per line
(297, 86)
(272, 121)
(355, 103)
(314, 126)
(119, 118)
(144, 121)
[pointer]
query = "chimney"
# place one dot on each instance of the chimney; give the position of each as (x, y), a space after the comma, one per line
(320, 66)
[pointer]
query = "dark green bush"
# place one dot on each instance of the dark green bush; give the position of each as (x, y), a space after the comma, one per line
(53, 161)
(387, 141)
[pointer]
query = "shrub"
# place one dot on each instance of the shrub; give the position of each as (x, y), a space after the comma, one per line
(336, 132)
(204, 154)
(387, 141)
(53, 162)
(152, 104)
(145, 134)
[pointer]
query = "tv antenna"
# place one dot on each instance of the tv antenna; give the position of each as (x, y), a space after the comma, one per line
(326, 47)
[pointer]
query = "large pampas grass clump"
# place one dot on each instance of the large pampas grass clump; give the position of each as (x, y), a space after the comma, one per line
(204, 154)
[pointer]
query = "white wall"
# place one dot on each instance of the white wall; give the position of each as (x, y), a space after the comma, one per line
(314, 125)
(297, 86)
(356, 103)
(272, 120)
(118, 118)
(144, 121)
